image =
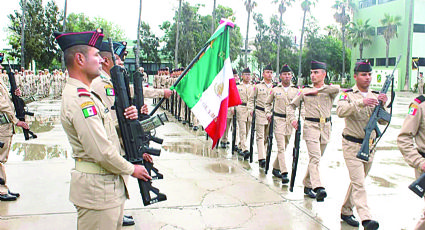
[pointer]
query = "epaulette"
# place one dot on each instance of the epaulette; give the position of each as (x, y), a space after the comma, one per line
(347, 90)
(375, 92)
(306, 86)
(83, 92)
(274, 84)
(294, 86)
(420, 99)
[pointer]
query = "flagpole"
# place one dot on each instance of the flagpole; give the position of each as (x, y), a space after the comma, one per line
(182, 75)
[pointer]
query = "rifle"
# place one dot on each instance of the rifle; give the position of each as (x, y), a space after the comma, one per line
(1, 144)
(251, 140)
(270, 141)
(379, 113)
(234, 131)
(418, 186)
(296, 151)
(19, 104)
(133, 135)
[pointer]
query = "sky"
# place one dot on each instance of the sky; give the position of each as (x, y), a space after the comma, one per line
(155, 12)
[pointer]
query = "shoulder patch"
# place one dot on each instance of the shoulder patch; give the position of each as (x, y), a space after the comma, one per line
(420, 99)
(413, 109)
(109, 90)
(344, 96)
(376, 92)
(83, 92)
(88, 109)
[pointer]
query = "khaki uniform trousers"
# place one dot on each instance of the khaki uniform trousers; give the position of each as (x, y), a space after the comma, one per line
(358, 170)
(108, 219)
(282, 141)
(226, 131)
(4, 154)
(315, 152)
(244, 126)
(261, 138)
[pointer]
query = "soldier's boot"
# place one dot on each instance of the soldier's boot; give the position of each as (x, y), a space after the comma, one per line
(370, 224)
(262, 163)
(309, 192)
(350, 220)
(127, 221)
(320, 194)
(195, 128)
(276, 173)
(285, 178)
(246, 155)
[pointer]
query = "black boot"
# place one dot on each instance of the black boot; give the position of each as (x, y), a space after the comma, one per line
(309, 192)
(350, 220)
(262, 163)
(370, 224)
(126, 221)
(320, 194)
(246, 155)
(276, 173)
(7, 197)
(285, 178)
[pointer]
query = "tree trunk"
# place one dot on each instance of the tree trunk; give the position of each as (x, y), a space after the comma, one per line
(213, 19)
(64, 30)
(361, 51)
(246, 39)
(23, 34)
(300, 81)
(343, 41)
(387, 54)
(176, 50)
(138, 37)
(278, 43)
(409, 44)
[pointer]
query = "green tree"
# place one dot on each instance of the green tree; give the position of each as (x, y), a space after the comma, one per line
(282, 9)
(281, 39)
(341, 16)
(262, 43)
(149, 44)
(249, 5)
(40, 22)
(390, 23)
(360, 34)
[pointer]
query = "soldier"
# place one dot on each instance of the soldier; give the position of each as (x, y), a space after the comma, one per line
(262, 90)
(356, 105)
(97, 187)
(318, 102)
(246, 93)
(411, 142)
(281, 96)
(7, 120)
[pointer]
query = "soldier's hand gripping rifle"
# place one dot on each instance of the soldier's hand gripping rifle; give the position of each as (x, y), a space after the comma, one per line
(234, 131)
(270, 141)
(418, 186)
(19, 104)
(379, 113)
(296, 151)
(133, 135)
(251, 140)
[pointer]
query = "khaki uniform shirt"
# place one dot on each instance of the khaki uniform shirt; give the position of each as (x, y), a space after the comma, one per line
(316, 106)
(281, 99)
(261, 93)
(246, 93)
(412, 135)
(93, 138)
(8, 109)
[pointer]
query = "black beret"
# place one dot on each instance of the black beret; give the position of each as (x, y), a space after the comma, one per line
(246, 70)
(362, 66)
(234, 71)
(285, 68)
(88, 38)
(318, 65)
(1, 57)
(268, 67)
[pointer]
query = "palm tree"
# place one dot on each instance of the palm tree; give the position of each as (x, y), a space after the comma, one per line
(305, 5)
(64, 30)
(138, 37)
(360, 34)
(213, 18)
(24, 6)
(341, 6)
(409, 43)
(390, 23)
(176, 50)
(282, 9)
(249, 4)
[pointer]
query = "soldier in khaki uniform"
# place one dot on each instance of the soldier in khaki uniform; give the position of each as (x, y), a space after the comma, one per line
(261, 92)
(411, 142)
(97, 188)
(318, 102)
(355, 106)
(281, 96)
(7, 120)
(246, 93)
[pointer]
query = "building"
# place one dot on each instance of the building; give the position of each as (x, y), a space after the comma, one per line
(376, 53)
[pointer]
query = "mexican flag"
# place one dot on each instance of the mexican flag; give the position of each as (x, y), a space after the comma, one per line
(209, 88)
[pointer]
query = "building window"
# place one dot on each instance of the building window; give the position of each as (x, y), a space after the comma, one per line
(381, 61)
(372, 31)
(366, 3)
(381, 29)
(384, 1)
(419, 28)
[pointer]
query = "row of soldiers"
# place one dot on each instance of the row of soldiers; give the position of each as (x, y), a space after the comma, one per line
(41, 85)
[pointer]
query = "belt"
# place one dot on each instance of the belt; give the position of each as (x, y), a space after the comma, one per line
(4, 119)
(244, 104)
(352, 139)
(279, 114)
(89, 167)
(259, 108)
(321, 120)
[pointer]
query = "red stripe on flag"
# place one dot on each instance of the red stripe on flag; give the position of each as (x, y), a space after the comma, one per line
(234, 98)
(217, 127)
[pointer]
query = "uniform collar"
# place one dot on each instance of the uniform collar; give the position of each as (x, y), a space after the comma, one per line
(104, 74)
(78, 84)
(356, 89)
